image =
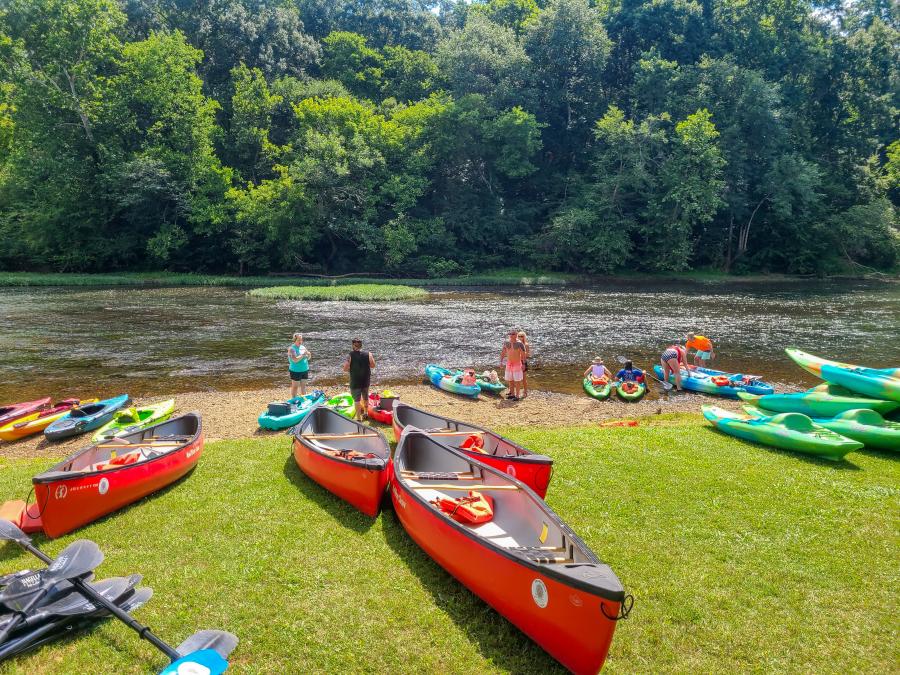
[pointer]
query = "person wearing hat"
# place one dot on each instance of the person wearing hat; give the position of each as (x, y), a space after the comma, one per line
(597, 371)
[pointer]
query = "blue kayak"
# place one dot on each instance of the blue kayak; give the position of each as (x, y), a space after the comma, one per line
(719, 383)
(449, 380)
(86, 418)
(284, 414)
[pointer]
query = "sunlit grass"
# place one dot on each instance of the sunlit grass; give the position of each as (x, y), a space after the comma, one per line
(359, 292)
(740, 558)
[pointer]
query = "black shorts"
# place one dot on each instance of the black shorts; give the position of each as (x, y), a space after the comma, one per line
(524, 366)
(360, 394)
(296, 376)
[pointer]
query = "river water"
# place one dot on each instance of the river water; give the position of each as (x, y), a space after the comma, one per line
(65, 341)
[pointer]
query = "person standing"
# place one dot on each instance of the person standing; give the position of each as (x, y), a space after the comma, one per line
(298, 365)
(673, 359)
(523, 338)
(703, 347)
(512, 357)
(359, 364)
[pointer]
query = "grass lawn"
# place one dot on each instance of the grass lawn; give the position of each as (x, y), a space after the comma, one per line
(358, 292)
(740, 558)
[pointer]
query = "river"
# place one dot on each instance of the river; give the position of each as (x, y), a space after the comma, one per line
(156, 341)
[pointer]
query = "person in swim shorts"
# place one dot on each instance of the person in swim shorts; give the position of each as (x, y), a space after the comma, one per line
(298, 365)
(359, 364)
(703, 347)
(673, 360)
(512, 356)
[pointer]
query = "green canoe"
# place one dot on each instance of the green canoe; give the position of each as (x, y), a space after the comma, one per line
(865, 426)
(342, 403)
(818, 403)
(133, 419)
(631, 391)
(787, 431)
(600, 392)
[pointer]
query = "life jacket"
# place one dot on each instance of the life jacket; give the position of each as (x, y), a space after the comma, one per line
(473, 509)
(121, 460)
(473, 443)
(598, 381)
(629, 387)
(720, 380)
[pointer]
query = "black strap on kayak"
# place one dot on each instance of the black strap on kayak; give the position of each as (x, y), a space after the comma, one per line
(40, 510)
(624, 609)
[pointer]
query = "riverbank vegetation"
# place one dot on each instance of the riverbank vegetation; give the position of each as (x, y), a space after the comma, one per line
(739, 557)
(429, 139)
(358, 292)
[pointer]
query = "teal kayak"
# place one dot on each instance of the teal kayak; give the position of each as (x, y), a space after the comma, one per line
(285, 414)
(600, 391)
(449, 380)
(787, 431)
(342, 403)
(631, 391)
(880, 383)
(488, 386)
(818, 403)
(718, 382)
(865, 426)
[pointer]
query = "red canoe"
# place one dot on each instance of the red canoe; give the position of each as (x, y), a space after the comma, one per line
(381, 409)
(524, 561)
(347, 458)
(501, 453)
(14, 411)
(105, 477)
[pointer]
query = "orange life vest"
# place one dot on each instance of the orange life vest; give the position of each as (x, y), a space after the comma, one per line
(720, 380)
(598, 381)
(473, 443)
(474, 509)
(629, 387)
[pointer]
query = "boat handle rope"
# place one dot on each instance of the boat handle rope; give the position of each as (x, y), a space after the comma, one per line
(40, 510)
(624, 609)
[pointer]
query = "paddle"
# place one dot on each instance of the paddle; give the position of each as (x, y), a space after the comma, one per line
(129, 602)
(226, 641)
(26, 593)
(667, 386)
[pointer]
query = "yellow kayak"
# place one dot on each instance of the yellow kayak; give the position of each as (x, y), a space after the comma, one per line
(35, 423)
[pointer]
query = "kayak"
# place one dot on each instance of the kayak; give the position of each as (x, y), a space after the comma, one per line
(284, 414)
(448, 380)
(718, 382)
(599, 391)
(107, 476)
(788, 431)
(13, 411)
(343, 404)
(631, 391)
(381, 407)
(133, 419)
(86, 418)
(347, 458)
(503, 543)
(494, 450)
(878, 383)
(36, 422)
(818, 403)
(865, 426)
(488, 386)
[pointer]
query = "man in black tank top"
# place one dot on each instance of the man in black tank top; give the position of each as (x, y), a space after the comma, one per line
(359, 364)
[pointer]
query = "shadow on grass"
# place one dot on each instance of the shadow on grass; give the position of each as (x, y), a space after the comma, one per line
(337, 508)
(498, 640)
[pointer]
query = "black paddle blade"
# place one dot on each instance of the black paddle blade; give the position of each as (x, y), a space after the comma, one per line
(79, 557)
(221, 641)
(75, 603)
(9, 532)
(7, 579)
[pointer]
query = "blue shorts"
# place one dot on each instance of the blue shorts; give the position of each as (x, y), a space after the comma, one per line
(706, 356)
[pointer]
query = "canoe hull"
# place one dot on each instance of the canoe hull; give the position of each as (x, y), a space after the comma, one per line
(571, 627)
(818, 403)
(701, 381)
(16, 411)
(878, 383)
(376, 412)
(361, 486)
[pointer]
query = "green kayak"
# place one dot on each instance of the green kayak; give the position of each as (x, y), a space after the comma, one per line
(865, 426)
(133, 419)
(599, 391)
(631, 391)
(788, 431)
(343, 404)
(817, 403)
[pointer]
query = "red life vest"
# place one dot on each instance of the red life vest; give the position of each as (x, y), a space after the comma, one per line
(121, 460)
(474, 509)
(629, 387)
(473, 443)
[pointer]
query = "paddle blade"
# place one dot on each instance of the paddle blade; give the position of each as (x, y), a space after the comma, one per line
(220, 641)
(79, 557)
(207, 661)
(75, 603)
(10, 532)
(140, 598)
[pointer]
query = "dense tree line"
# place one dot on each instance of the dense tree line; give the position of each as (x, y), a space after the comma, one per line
(428, 138)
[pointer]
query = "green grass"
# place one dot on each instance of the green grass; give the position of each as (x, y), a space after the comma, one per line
(498, 278)
(360, 292)
(740, 558)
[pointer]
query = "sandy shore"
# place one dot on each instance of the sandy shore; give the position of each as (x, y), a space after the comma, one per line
(233, 414)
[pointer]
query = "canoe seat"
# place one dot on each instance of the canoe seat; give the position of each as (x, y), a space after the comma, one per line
(542, 555)
(438, 475)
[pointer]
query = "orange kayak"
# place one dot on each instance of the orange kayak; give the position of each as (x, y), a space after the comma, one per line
(36, 422)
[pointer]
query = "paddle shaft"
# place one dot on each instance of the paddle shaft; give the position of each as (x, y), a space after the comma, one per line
(111, 607)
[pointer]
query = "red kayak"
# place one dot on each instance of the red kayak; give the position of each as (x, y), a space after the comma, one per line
(501, 541)
(501, 453)
(347, 458)
(105, 477)
(381, 408)
(14, 411)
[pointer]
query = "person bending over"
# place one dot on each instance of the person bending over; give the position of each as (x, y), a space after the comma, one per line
(703, 348)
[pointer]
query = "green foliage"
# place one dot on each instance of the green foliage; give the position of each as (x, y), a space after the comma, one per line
(356, 292)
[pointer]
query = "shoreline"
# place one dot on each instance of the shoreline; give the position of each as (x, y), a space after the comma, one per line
(233, 414)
